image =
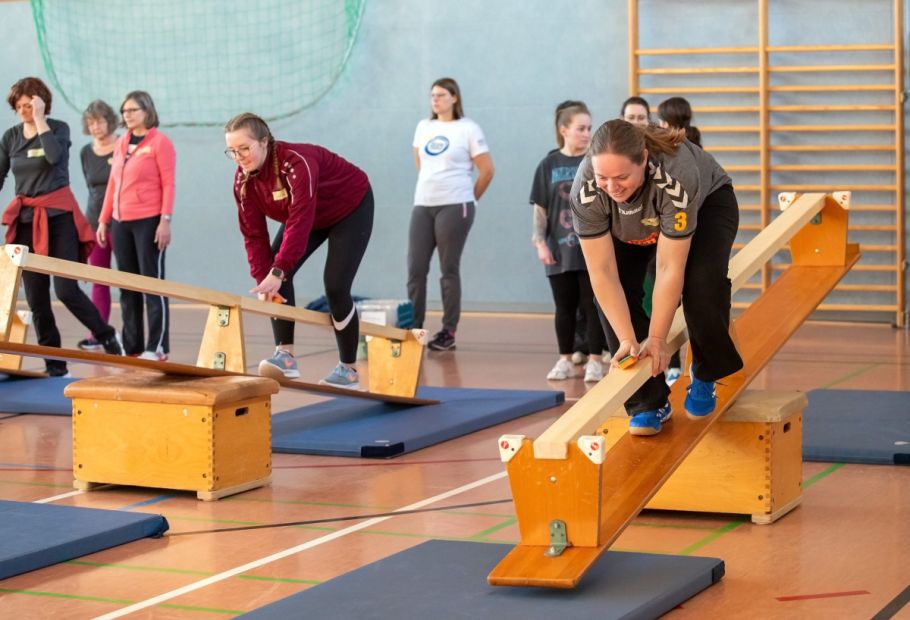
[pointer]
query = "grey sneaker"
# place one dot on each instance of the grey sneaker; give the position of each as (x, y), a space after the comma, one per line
(283, 362)
(342, 376)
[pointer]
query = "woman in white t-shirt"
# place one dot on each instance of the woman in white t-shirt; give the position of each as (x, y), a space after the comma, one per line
(447, 147)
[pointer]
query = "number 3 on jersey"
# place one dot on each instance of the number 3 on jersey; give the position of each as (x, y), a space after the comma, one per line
(680, 223)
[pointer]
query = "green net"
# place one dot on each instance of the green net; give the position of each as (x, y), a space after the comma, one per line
(203, 61)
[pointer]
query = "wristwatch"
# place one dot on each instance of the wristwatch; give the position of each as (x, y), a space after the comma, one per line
(166, 217)
(278, 273)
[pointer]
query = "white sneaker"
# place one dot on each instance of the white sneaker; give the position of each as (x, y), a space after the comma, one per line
(594, 371)
(672, 375)
(579, 358)
(562, 370)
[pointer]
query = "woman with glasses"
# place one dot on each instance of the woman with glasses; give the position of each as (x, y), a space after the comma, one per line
(316, 196)
(447, 148)
(138, 206)
(45, 217)
(100, 122)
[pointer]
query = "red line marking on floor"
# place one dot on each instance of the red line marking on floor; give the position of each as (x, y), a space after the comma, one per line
(384, 463)
(805, 597)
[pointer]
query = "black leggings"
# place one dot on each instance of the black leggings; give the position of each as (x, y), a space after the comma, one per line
(705, 297)
(572, 292)
(348, 241)
(137, 252)
(63, 242)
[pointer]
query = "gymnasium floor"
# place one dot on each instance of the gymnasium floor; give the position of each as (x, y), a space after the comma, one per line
(841, 554)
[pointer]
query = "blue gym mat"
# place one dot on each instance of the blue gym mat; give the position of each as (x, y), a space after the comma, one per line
(33, 536)
(443, 579)
(360, 428)
(857, 426)
(35, 395)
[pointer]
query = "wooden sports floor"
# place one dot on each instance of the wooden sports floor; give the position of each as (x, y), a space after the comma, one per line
(844, 553)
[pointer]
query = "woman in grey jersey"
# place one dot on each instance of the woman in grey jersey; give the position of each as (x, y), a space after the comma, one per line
(646, 191)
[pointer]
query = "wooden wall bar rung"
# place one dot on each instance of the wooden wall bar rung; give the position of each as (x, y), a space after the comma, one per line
(828, 128)
(861, 47)
(871, 288)
(830, 88)
(873, 208)
(729, 129)
(831, 187)
(712, 109)
(867, 268)
(732, 148)
(876, 248)
(697, 70)
(827, 68)
(858, 308)
(873, 227)
(834, 167)
(800, 148)
(679, 51)
(830, 108)
(713, 90)
(743, 168)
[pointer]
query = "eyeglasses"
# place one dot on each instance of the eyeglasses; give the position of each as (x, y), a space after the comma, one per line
(130, 110)
(233, 154)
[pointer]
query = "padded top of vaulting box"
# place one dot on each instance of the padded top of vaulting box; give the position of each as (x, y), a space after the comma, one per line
(172, 389)
(759, 406)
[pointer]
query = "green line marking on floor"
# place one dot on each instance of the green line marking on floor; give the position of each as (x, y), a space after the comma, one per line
(822, 474)
(232, 612)
(293, 502)
(186, 571)
(852, 374)
(308, 582)
(495, 528)
(672, 526)
(94, 599)
(729, 527)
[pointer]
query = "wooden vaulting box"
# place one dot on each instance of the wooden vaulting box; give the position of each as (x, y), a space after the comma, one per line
(750, 462)
(211, 435)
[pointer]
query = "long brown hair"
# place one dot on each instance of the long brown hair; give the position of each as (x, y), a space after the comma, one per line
(452, 86)
(677, 112)
(623, 138)
(565, 112)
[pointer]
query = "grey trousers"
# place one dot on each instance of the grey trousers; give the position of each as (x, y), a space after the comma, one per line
(444, 227)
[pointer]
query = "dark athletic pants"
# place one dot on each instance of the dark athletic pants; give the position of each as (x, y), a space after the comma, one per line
(572, 293)
(705, 297)
(444, 227)
(63, 242)
(348, 241)
(137, 252)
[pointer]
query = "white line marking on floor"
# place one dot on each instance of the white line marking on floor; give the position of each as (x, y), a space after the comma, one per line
(48, 500)
(291, 551)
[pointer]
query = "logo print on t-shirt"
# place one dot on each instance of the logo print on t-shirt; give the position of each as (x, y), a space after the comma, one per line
(436, 146)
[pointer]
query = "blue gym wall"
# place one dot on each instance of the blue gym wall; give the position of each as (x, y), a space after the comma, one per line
(514, 59)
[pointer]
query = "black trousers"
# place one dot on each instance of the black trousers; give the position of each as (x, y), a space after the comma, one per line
(348, 240)
(63, 242)
(572, 293)
(705, 297)
(137, 252)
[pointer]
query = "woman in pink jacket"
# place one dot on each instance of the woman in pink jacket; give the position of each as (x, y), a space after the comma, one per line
(138, 206)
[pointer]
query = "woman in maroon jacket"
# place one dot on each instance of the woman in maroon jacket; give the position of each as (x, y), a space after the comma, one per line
(316, 196)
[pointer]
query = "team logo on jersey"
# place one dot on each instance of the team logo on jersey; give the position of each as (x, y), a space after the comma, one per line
(436, 146)
(588, 193)
(670, 186)
(650, 221)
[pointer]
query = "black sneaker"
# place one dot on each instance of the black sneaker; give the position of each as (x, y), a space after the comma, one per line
(90, 344)
(57, 371)
(113, 346)
(444, 340)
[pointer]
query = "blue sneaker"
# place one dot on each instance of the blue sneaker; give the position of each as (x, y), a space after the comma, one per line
(649, 422)
(342, 376)
(701, 399)
(281, 364)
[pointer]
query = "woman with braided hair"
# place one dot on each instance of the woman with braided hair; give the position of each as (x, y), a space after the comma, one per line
(646, 191)
(316, 196)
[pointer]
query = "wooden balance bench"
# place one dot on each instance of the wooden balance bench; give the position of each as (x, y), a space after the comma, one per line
(211, 435)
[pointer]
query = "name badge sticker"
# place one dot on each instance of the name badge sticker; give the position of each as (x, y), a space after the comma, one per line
(35, 153)
(280, 194)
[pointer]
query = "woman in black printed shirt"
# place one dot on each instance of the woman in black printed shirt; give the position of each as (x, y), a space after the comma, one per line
(646, 191)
